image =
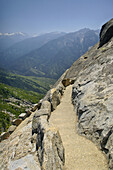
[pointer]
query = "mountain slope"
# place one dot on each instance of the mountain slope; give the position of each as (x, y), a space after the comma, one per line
(8, 39)
(36, 84)
(52, 59)
(18, 93)
(24, 47)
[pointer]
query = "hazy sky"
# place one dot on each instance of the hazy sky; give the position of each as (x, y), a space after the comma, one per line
(40, 16)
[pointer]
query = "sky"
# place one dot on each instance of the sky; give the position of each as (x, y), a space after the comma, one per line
(42, 16)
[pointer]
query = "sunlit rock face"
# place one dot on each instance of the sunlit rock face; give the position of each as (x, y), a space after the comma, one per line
(106, 33)
(92, 93)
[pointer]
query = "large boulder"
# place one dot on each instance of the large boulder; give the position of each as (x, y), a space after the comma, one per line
(92, 95)
(46, 105)
(52, 156)
(106, 33)
(40, 120)
(55, 98)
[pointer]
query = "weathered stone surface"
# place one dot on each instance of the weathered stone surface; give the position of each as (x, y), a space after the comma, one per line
(49, 146)
(28, 111)
(16, 122)
(53, 155)
(46, 105)
(40, 119)
(25, 163)
(18, 152)
(92, 96)
(36, 106)
(4, 136)
(106, 33)
(23, 116)
(11, 129)
(55, 97)
(60, 88)
(50, 150)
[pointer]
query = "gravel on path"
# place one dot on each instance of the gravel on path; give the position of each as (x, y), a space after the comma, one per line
(80, 153)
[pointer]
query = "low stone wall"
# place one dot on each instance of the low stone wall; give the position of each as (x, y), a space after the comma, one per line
(50, 150)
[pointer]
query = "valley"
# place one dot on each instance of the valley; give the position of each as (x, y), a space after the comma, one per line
(29, 66)
(18, 93)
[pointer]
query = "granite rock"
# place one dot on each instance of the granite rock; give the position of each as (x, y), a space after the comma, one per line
(23, 116)
(92, 93)
(16, 122)
(106, 33)
(4, 136)
(11, 129)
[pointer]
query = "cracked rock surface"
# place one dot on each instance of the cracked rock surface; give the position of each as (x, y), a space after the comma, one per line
(92, 93)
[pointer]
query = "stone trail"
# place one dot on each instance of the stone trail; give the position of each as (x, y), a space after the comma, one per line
(80, 153)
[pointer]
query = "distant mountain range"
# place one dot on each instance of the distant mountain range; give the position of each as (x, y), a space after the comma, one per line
(48, 55)
(8, 39)
(24, 47)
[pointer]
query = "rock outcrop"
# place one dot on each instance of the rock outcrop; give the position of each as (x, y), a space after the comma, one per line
(92, 93)
(18, 152)
(50, 150)
(106, 33)
(35, 144)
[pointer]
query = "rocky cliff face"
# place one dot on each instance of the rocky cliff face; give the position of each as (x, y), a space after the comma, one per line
(92, 94)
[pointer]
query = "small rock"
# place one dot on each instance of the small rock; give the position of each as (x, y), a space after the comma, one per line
(11, 129)
(29, 112)
(4, 136)
(16, 122)
(23, 116)
(36, 106)
(67, 82)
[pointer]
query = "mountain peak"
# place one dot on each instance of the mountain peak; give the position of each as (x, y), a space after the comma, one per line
(13, 34)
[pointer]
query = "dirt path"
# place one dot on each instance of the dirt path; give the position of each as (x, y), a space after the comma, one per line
(80, 153)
